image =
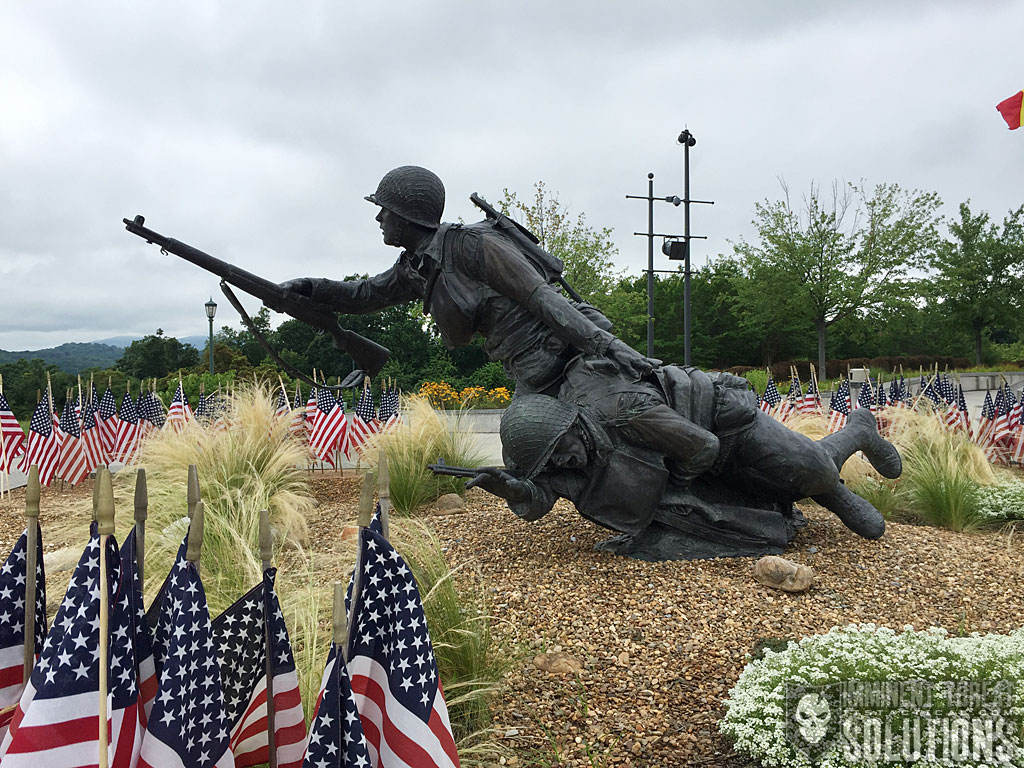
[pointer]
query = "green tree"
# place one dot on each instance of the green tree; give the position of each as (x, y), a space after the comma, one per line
(978, 272)
(243, 340)
(586, 252)
(156, 355)
(835, 258)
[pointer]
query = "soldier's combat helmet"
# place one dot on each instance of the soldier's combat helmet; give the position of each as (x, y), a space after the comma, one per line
(530, 428)
(412, 192)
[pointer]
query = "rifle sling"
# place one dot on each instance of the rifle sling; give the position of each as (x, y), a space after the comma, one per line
(290, 369)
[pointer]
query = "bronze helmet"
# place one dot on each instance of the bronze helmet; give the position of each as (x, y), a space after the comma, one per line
(412, 192)
(530, 428)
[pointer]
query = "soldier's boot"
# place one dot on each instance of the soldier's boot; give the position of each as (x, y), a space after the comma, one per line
(861, 434)
(856, 513)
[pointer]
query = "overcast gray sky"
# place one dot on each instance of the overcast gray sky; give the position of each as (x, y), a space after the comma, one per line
(253, 130)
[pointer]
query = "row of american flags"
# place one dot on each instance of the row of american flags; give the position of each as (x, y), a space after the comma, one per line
(89, 431)
(188, 691)
(998, 430)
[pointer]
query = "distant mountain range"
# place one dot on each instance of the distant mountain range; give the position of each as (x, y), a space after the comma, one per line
(75, 357)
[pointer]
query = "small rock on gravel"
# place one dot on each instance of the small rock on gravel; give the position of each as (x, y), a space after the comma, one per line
(780, 573)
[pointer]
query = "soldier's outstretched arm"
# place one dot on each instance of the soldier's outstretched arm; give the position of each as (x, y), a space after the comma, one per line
(355, 297)
(529, 500)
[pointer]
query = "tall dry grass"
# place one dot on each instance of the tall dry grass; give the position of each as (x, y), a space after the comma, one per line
(942, 471)
(250, 467)
(254, 466)
(425, 436)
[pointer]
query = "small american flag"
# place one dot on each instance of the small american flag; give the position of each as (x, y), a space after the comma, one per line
(363, 423)
(239, 635)
(839, 406)
(312, 412)
(202, 411)
(153, 410)
(297, 426)
(92, 441)
(56, 722)
(108, 422)
(331, 426)
(188, 726)
(391, 664)
(811, 402)
(126, 444)
(865, 398)
(12, 625)
(771, 395)
(12, 436)
(336, 734)
(43, 448)
(283, 408)
(389, 407)
(985, 420)
(73, 461)
(958, 417)
(180, 412)
(141, 637)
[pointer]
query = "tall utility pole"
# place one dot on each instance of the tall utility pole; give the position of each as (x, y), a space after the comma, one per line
(687, 140)
(650, 234)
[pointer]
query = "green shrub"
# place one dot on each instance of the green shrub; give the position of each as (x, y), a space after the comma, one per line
(760, 708)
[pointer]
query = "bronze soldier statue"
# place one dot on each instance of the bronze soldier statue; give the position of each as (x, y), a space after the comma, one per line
(472, 279)
(683, 464)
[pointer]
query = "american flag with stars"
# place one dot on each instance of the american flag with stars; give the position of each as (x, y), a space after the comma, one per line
(152, 411)
(73, 460)
(811, 401)
(839, 406)
(771, 395)
(92, 440)
(330, 428)
(43, 449)
(188, 726)
(108, 421)
(160, 616)
(390, 411)
(985, 420)
(297, 426)
(12, 624)
(12, 437)
(141, 636)
(958, 417)
(126, 444)
(202, 411)
(392, 667)
(55, 724)
(180, 412)
(865, 398)
(239, 635)
(363, 422)
(336, 734)
(283, 408)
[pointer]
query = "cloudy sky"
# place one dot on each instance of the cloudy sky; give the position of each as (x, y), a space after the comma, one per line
(253, 130)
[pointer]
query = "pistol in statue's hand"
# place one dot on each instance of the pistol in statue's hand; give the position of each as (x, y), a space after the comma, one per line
(501, 483)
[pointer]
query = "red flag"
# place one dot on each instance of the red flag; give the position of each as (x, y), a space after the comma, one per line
(1012, 110)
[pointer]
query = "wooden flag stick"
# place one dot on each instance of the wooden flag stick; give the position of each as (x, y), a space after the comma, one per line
(339, 619)
(365, 513)
(194, 549)
(384, 493)
(267, 554)
(141, 513)
(32, 494)
(5, 478)
(105, 527)
(193, 490)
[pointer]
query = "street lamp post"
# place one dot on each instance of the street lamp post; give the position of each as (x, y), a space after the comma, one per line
(211, 311)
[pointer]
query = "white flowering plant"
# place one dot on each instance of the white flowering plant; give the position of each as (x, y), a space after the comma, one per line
(1004, 501)
(865, 695)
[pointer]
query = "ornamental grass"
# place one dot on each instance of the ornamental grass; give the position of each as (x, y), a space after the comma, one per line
(253, 465)
(422, 438)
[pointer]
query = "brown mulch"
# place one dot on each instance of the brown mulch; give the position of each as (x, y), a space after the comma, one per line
(660, 643)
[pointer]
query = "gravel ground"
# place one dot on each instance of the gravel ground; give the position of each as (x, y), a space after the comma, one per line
(660, 643)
